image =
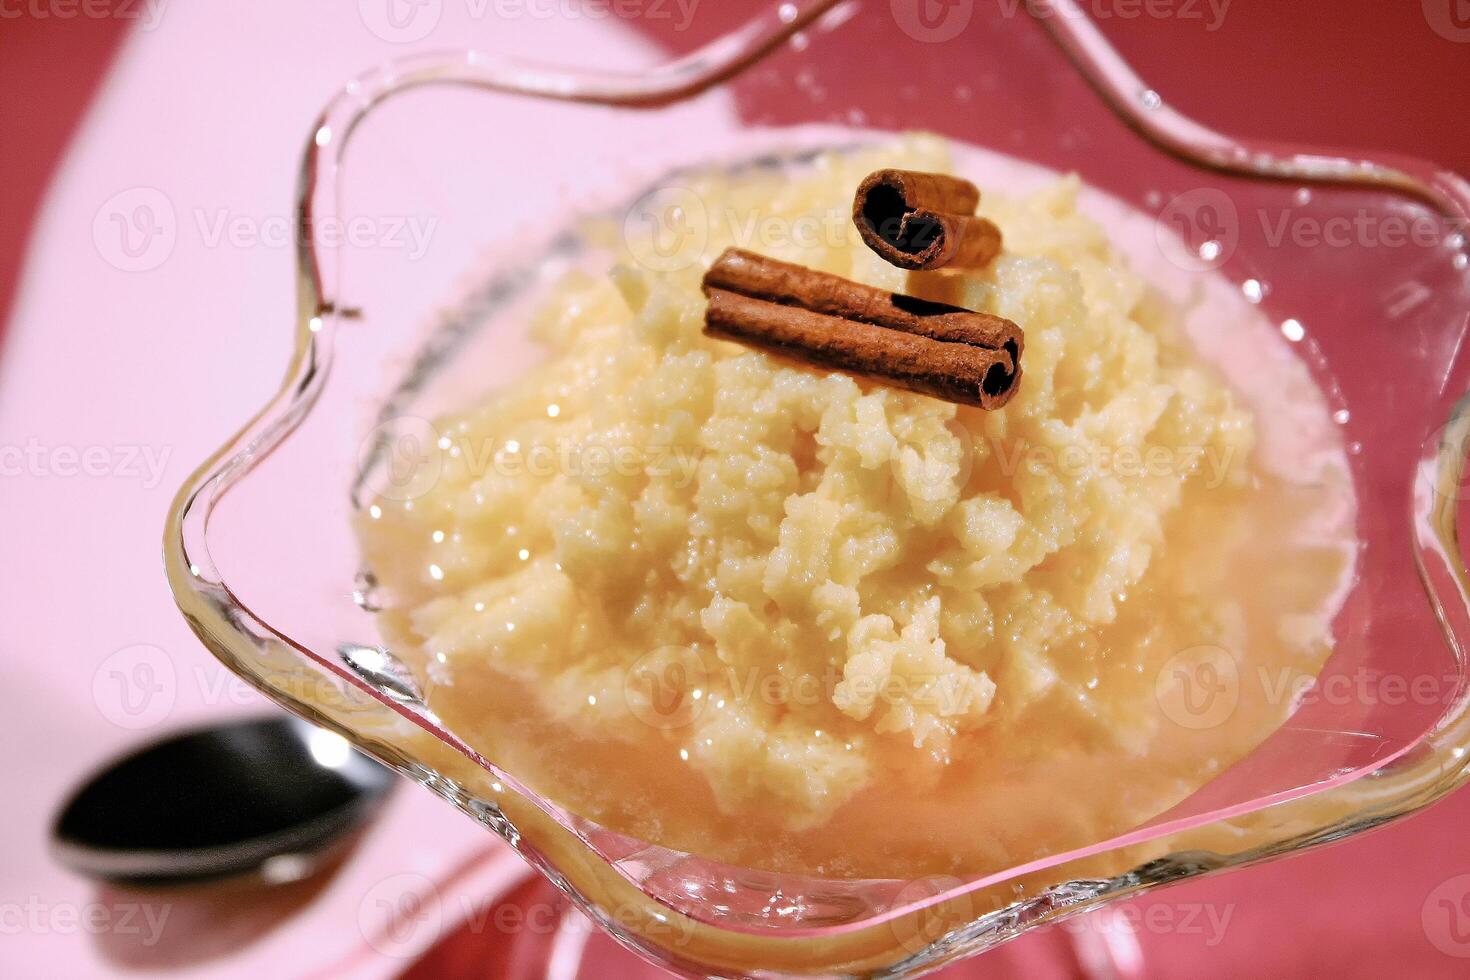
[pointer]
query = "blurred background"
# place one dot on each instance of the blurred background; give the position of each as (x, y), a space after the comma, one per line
(119, 374)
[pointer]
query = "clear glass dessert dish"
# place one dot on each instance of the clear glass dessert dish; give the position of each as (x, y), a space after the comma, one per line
(1360, 265)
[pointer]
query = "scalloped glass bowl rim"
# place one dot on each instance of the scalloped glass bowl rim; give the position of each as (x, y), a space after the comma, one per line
(216, 614)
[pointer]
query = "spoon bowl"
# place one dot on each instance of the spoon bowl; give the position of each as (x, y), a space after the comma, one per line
(267, 795)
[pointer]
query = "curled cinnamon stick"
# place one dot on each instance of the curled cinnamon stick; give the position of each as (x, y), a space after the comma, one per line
(931, 348)
(920, 220)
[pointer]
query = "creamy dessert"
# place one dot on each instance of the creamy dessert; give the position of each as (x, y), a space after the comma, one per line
(794, 619)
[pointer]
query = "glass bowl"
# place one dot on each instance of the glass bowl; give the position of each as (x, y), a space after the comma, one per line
(1360, 264)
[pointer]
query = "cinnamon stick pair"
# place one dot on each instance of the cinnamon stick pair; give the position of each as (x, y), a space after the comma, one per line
(914, 221)
(923, 221)
(931, 348)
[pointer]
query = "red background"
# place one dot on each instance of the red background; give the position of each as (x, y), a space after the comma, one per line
(1362, 74)
(1351, 73)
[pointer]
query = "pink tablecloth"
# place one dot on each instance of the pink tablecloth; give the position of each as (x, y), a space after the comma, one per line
(147, 370)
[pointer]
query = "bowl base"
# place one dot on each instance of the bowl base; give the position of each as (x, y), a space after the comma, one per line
(533, 933)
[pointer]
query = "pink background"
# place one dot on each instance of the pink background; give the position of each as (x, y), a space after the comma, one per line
(210, 104)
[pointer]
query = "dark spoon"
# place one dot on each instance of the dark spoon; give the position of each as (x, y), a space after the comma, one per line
(269, 796)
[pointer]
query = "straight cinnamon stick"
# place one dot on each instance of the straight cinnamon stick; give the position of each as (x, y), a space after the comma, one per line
(931, 348)
(917, 220)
